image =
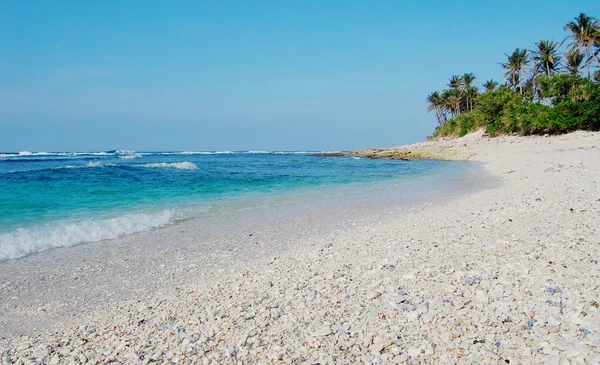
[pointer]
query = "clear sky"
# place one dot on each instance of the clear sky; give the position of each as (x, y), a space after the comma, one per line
(239, 75)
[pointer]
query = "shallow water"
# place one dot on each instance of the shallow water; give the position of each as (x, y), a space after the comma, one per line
(59, 199)
(62, 286)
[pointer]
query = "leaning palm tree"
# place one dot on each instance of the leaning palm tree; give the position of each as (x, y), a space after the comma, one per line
(546, 57)
(515, 68)
(573, 62)
(584, 33)
(435, 102)
(490, 85)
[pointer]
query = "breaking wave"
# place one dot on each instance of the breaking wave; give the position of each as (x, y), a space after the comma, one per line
(174, 165)
(22, 241)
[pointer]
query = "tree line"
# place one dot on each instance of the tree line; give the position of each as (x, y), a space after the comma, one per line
(545, 90)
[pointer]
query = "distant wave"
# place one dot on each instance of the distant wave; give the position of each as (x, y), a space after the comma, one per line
(194, 153)
(187, 153)
(87, 165)
(177, 165)
(130, 157)
(25, 241)
(128, 154)
(66, 154)
(291, 153)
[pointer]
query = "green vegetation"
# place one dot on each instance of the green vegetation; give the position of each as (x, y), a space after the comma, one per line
(546, 90)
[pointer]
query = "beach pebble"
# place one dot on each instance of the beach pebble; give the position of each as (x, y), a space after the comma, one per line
(400, 359)
(373, 294)
(414, 351)
(379, 344)
(323, 331)
(54, 360)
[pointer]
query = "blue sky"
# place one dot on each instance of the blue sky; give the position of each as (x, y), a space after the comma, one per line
(238, 75)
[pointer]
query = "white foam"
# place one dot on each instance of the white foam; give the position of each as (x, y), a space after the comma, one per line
(98, 164)
(292, 152)
(257, 152)
(91, 154)
(130, 157)
(25, 153)
(25, 241)
(194, 153)
(88, 165)
(176, 165)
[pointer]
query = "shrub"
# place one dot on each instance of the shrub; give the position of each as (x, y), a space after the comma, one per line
(568, 103)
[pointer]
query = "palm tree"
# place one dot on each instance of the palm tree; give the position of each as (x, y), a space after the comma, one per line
(531, 89)
(468, 79)
(455, 82)
(467, 90)
(490, 85)
(515, 67)
(573, 62)
(546, 57)
(435, 102)
(470, 94)
(584, 33)
(451, 101)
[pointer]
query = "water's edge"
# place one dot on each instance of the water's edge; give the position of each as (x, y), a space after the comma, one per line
(63, 286)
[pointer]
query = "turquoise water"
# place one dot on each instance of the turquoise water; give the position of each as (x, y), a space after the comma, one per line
(60, 199)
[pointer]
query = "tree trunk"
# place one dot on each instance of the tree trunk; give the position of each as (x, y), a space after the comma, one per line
(587, 56)
(596, 59)
(520, 85)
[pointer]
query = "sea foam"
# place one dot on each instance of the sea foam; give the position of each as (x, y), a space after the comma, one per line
(22, 241)
(130, 157)
(174, 165)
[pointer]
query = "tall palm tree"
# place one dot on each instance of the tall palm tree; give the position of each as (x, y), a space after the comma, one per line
(467, 80)
(467, 86)
(490, 85)
(573, 63)
(471, 93)
(466, 83)
(515, 67)
(451, 101)
(584, 34)
(455, 82)
(546, 57)
(436, 102)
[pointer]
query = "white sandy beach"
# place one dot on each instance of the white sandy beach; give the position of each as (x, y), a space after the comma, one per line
(507, 274)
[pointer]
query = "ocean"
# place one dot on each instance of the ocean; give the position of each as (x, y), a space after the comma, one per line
(60, 199)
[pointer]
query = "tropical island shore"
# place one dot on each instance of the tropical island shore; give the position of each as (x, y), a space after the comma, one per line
(507, 274)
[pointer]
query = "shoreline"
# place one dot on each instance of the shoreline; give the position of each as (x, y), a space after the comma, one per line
(85, 278)
(444, 282)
